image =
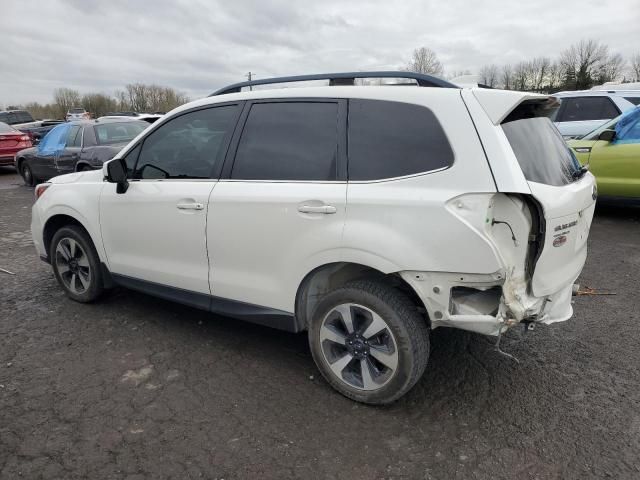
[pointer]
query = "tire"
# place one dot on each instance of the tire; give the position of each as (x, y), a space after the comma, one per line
(76, 264)
(388, 337)
(27, 175)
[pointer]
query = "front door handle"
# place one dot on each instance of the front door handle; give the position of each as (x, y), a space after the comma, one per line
(190, 206)
(326, 209)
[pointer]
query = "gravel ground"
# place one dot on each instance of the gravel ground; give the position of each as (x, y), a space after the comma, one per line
(138, 388)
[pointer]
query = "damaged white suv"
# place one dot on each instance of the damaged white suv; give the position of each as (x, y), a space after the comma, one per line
(365, 215)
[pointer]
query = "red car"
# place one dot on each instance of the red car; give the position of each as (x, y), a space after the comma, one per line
(11, 142)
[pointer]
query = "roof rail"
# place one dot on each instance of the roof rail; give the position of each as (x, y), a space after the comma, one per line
(335, 79)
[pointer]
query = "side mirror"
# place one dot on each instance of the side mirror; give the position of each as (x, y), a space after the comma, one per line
(117, 173)
(607, 135)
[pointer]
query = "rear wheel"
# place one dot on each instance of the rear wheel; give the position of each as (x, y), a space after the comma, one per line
(76, 264)
(27, 175)
(369, 342)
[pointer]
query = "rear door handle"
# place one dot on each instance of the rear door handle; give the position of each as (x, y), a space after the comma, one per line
(326, 209)
(190, 206)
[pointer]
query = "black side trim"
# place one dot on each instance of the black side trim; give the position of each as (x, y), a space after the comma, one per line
(45, 259)
(248, 312)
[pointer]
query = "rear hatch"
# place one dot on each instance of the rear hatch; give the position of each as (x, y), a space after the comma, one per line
(565, 192)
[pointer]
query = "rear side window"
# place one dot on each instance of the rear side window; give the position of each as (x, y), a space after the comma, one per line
(393, 139)
(634, 100)
(541, 151)
(576, 109)
(289, 141)
(71, 136)
(187, 146)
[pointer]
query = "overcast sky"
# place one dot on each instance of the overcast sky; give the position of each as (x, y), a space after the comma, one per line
(197, 46)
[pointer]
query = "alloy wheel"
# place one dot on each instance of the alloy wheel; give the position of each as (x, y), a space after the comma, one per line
(73, 266)
(358, 346)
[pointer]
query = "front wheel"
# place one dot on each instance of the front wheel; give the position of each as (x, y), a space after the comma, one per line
(369, 342)
(76, 264)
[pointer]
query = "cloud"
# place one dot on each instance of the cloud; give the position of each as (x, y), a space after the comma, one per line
(199, 46)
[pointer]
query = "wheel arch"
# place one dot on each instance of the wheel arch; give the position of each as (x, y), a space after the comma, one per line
(55, 223)
(330, 276)
(81, 165)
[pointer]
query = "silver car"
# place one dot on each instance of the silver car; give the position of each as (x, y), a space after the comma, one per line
(583, 111)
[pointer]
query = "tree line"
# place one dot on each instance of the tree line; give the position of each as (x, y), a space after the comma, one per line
(578, 67)
(136, 97)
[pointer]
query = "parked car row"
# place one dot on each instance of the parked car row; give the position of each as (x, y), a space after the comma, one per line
(76, 146)
(23, 121)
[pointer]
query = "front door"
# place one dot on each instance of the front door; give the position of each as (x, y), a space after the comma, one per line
(43, 163)
(155, 231)
(279, 210)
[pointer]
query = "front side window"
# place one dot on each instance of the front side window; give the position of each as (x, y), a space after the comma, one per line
(577, 109)
(289, 141)
(541, 151)
(187, 146)
(394, 139)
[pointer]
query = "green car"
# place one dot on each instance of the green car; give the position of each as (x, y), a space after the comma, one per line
(612, 152)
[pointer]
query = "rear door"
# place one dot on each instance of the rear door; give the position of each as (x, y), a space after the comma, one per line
(67, 157)
(279, 210)
(43, 163)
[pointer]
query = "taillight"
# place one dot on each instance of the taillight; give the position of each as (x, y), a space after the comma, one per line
(40, 189)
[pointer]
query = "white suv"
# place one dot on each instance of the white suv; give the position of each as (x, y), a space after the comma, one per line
(364, 215)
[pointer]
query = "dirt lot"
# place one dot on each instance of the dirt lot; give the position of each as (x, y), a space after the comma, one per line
(135, 387)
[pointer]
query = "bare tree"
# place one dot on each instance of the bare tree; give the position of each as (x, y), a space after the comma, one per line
(634, 65)
(611, 68)
(554, 77)
(99, 104)
(489, 75)
(425, 60)
(581, 62)
(506, 77)
(64, 99)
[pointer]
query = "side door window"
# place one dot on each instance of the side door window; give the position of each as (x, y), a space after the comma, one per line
(191, 145)
(289, 141)
(394, 139)
(71, 136)
(629, 133)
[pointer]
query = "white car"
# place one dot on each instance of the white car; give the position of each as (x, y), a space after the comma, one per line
(77, 114)
(367, 216)
(583, 111)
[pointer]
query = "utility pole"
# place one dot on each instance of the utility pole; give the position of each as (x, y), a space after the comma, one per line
(249, 77)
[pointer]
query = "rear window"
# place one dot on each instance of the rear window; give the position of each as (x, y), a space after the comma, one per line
(76, 110)
(541, 151)
(393, 139)
(110, 133)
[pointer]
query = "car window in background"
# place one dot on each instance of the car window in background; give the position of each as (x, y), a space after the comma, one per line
(394, 139)
(187, 146)
(24, 117)
(118, 132)
(4, 128)
(76, 140)
(578, 109)
(76, 110)
(71, 135)
(634, 100)
(541, 151)
(289, 141)
(54, 141)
